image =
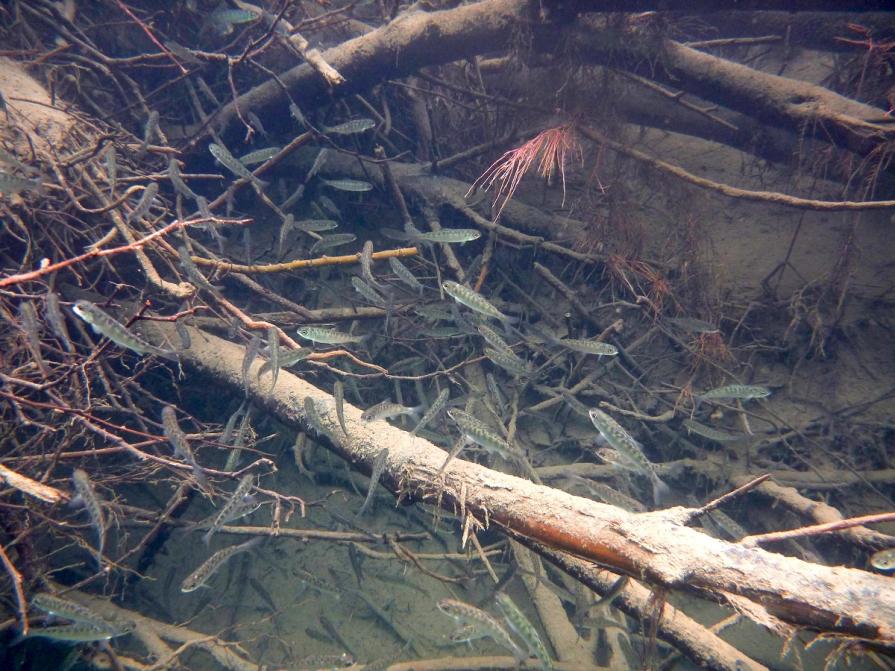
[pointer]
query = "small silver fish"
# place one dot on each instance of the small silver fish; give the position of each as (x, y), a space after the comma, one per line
(437, 406)
(288, 358)
(207, 92)
(285, 229)
(509, 361)
(74, 633)
(736, 391)
(56, 320)
(177, 182)
(497, 395)
(251, 352)
(255, 122)
(12, 184)
(110, 159)
(448, 235)
(366, 264)
(115, 331)
(524, 630)
(227, 433)
(319, 160)
(388, 410)
(316, 583)
(29, 324)
(273, 355)
(150, 130)
(368, 292)
(181, 445)
(54, 605)
(259, 156)
(222, 20)
(473, 300)
(145, 202)
(315, 421)
(883, 560)
(202, 204)
(327, 206)
(184, 334)
(710, 432)
(245, 429)
(330, 662)
(609, 495)
(296, 113)
(404, 274)
(316, 225)
(240, 504)
(229, 161)
(339, 396)
(629, 449)
(330, 241)
(182, 53)
(588, 346)
(200, 576)
(350, 127)
(691, 325)
(87, 497)
(294, 197)
(724, 522)
(174, 434)
(327, 336)
(353, 185)
(481, 434)
(467, 614)
(193, 272)
(379, 463)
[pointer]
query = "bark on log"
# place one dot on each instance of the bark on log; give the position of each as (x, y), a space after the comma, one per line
(654, 547)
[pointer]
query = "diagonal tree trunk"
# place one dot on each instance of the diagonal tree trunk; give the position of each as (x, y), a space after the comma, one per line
(654, 547)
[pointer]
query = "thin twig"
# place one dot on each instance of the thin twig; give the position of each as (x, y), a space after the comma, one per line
(303, 263)
(124, 8)
(816, 529)
(16, 577)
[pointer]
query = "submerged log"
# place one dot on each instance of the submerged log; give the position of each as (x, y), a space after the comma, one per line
(654, 547)
(421, 39)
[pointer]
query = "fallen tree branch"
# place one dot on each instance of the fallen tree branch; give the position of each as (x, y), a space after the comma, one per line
(816, 529)
(773, 197)
(654, 547)
(413, 41)
(797, 106)
(318, 262)
(820, 512)
(399, 48)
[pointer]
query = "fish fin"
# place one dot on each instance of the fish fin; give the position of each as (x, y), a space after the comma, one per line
(661, 491)
(394, 234)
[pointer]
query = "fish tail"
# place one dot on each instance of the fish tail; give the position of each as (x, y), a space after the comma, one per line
(661, 491)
